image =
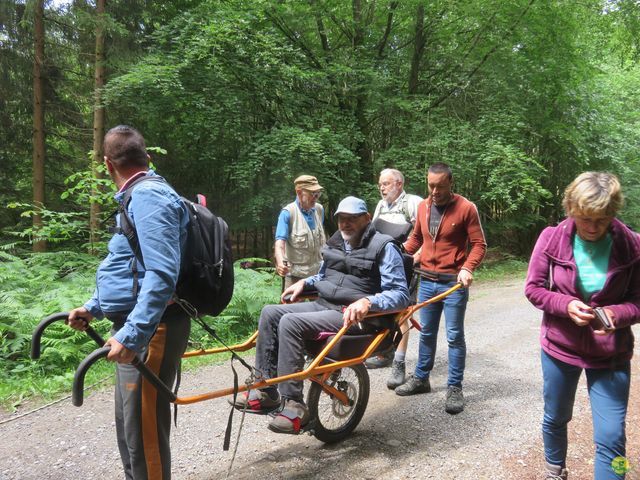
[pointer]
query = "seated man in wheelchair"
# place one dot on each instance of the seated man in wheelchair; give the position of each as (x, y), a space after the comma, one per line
(362, 271)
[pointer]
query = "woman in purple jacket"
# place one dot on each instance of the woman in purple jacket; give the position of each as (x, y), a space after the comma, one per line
(589, 260)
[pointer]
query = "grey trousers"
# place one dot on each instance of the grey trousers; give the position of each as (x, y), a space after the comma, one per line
(282, 331)
(143, 416)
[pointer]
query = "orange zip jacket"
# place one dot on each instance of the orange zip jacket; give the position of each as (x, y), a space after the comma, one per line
(449, 251)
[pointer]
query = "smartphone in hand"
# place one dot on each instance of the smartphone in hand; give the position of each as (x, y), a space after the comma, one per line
(602, 318)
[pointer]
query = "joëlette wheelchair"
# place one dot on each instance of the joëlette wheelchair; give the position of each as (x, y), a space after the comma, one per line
(339, 390)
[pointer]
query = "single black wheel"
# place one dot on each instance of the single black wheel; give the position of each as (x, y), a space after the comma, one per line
(333, 420)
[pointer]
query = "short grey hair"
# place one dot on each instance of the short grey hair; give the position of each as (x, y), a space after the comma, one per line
(397, 174)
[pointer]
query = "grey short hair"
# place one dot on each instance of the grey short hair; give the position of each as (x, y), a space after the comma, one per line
(397, 174)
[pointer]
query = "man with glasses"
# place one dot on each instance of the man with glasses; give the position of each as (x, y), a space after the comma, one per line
(299, 234)
(401, 208)
(362, 271)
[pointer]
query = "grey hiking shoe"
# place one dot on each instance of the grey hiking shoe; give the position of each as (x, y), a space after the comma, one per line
(397, 375)
(379, 361)
(455, 400)
(413, 385)
(257, 401)
(291, 419)
(556, 472)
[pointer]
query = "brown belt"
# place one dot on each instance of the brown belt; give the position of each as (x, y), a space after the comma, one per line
(436, 276)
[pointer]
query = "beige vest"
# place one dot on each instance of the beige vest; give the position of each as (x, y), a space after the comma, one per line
(303, 247)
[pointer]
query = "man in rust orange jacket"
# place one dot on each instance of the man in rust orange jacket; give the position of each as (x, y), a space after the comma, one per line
(453, 244)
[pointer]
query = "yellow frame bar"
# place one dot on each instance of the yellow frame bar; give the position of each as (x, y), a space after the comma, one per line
(315, 369)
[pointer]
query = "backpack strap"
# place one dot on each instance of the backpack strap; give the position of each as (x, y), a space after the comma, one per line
(405, 209)
(128, 228)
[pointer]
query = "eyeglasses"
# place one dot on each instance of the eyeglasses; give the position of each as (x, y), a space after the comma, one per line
(315, 195)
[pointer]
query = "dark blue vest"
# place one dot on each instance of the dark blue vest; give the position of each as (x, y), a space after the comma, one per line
(352, 276)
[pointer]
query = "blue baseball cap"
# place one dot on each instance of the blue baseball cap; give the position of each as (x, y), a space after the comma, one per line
(351, 206)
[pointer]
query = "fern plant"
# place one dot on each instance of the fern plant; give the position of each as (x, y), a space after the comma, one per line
(37, 285)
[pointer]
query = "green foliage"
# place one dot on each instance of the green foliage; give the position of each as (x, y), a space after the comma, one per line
(253, 289)
(70, 225)
(498, 265)
(57, 226)
(32, 288)
(38, 285)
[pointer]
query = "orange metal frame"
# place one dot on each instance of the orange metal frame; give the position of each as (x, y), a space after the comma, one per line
(316, 371)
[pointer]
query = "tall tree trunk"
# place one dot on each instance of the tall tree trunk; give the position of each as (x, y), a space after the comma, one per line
(363, 147)
(418, 50)
(98, 123)
(38, 122)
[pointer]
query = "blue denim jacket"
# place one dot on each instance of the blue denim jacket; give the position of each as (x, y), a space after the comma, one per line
(161, 223)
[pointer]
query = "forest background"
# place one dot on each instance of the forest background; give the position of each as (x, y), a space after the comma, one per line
(238, 98)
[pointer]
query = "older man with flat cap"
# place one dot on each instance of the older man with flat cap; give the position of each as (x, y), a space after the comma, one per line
(362, 271)
(299, 234)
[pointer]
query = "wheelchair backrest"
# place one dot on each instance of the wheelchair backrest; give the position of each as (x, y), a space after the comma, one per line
(399, 232)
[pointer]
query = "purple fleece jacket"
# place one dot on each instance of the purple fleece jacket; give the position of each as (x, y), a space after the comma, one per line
(551, 286)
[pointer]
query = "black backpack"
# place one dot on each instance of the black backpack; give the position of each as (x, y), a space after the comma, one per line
(205, 283)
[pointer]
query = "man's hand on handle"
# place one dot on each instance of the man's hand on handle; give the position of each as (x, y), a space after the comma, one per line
(119, 353)
(294, 290)
(79, 318)
(355, 312)
(465, 277)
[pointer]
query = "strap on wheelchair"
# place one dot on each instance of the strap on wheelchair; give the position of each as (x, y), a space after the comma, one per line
(193, 313)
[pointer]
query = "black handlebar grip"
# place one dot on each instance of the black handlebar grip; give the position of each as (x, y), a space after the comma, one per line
(56, 317)
(78, 380)
(39, 330)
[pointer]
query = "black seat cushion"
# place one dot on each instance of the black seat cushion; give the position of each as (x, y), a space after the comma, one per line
(351, 346)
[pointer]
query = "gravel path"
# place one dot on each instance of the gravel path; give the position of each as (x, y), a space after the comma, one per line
(496, 437)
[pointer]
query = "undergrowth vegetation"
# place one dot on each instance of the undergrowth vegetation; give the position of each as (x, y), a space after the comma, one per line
(33, 287)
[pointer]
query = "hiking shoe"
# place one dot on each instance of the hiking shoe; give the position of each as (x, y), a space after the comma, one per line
(379, 361)
(455, 400)
(257, 401)
(291, 419)
(413, 385)
(556, 472)
(397, 375)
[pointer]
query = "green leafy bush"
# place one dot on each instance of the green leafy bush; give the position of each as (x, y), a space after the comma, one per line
(38, 285)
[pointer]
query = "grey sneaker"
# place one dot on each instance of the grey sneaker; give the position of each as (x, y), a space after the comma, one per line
(413, 385)
(397, 375)
(379, 361)
(291, 419)
(455, 400)
(556, 472)
(257, 401)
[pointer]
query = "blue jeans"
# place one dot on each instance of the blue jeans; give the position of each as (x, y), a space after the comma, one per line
(609, 395)
(454, 307)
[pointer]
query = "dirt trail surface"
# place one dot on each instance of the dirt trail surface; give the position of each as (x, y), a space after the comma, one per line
(496, 437)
